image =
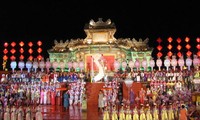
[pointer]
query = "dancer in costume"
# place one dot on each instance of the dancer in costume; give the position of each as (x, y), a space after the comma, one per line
(135, 114)
(148, 113)
(164, 115)
(171, 113)
(155, 112)
(106, 114)
(121, 113)
(114, 113)
(142, 113)
(128, 113)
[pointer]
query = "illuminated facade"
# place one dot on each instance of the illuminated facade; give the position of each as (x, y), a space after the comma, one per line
(100, 39)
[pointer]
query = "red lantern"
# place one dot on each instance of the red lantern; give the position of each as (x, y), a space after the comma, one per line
(13, 44)
(169, 54)
(198, 46)
(159, 40)
(21, 57)
(30, 57)
(5, 51)
(21, 44)
(170, 39)
(30, 44)
(179, 54)
(5, 44)
(178, 40)
(12, 57)
(179, 47)
(13, 51)
(21, 50)
(188, 46)
(198, 40)
(5, 57)
(187, 39)
(39, 50)
(39, 43)
(39, 57)
(169, 46)
(159, 54)
(198, 53)
(30, 51)
(159, 47)
(189, 53)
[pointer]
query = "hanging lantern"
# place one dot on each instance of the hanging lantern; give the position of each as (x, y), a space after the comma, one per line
(21, 44)
(13, 65)
(39, 50)
(116, 65)
(30, 50)
(174, 62)
(159, 47)
(181, 62)
(167, 62)
(13, 51)
(179, 54)
(81, 65)
(187, 39)
(35, 64)
(144, 63)
(131, 65)
(39, 43)
(159, 54)
(159, 63)
(21, 65)
(137, 64)
(188, 46)
(21, 57)
(5, 51)
(30, 44)
(169, 46)
(179, 47)
(39, 57)
(152, 63)
(12, 57)
(195, 62)
(13, 44)
(48, 65)
(169, 54)
(5, 44)
(5, 57)
(189, 53)
(42, 65)
(21, 50)
(170, 39)
(188, 62)
(29, 65)
(75, 65)
(30, 57)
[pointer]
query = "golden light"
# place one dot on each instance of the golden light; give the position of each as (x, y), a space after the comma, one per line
(187, 39)
(21, 44)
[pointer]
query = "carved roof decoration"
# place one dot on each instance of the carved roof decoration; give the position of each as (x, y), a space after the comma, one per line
(100, 24)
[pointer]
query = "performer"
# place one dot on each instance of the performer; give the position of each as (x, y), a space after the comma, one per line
(66, 100)
(106, 114)
(128, 113)
(38, 115)
(13, 113)
(135, 114)
(28, 113)
(42, 96)
(20, 113)
(114, 113)
(100, 101)
(1, 111)
(132, 97)
(142, 114)
(53, 97)
(7, 113)
(171, 113)
(164, 115)
(121, 113)
(155, 112)
(45, 96)
(142, 95)
(183, 113)
(148, 113)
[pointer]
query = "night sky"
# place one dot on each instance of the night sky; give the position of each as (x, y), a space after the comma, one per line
(47, 21)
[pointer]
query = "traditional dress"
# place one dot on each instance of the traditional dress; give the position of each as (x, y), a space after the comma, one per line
(28, 113)
(106, 114)
(135, 114)
(171, 113)
(164, 115)
(183, 114)
(142, 95)
(53, 97)
(149, 115)
(114, 114)
(142, 115)
(20, 113)
(38, 115)
(66, 100)
(121, 114)
(100, 100)
(13, 113)
(128, 114)
(155, 113)
(7, 113)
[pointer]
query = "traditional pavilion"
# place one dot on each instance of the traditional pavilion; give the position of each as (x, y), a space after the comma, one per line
(100, 40)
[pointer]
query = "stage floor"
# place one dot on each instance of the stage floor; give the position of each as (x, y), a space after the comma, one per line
(74, 113)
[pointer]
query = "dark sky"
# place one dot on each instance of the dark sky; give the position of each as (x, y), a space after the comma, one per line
(59, 19)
